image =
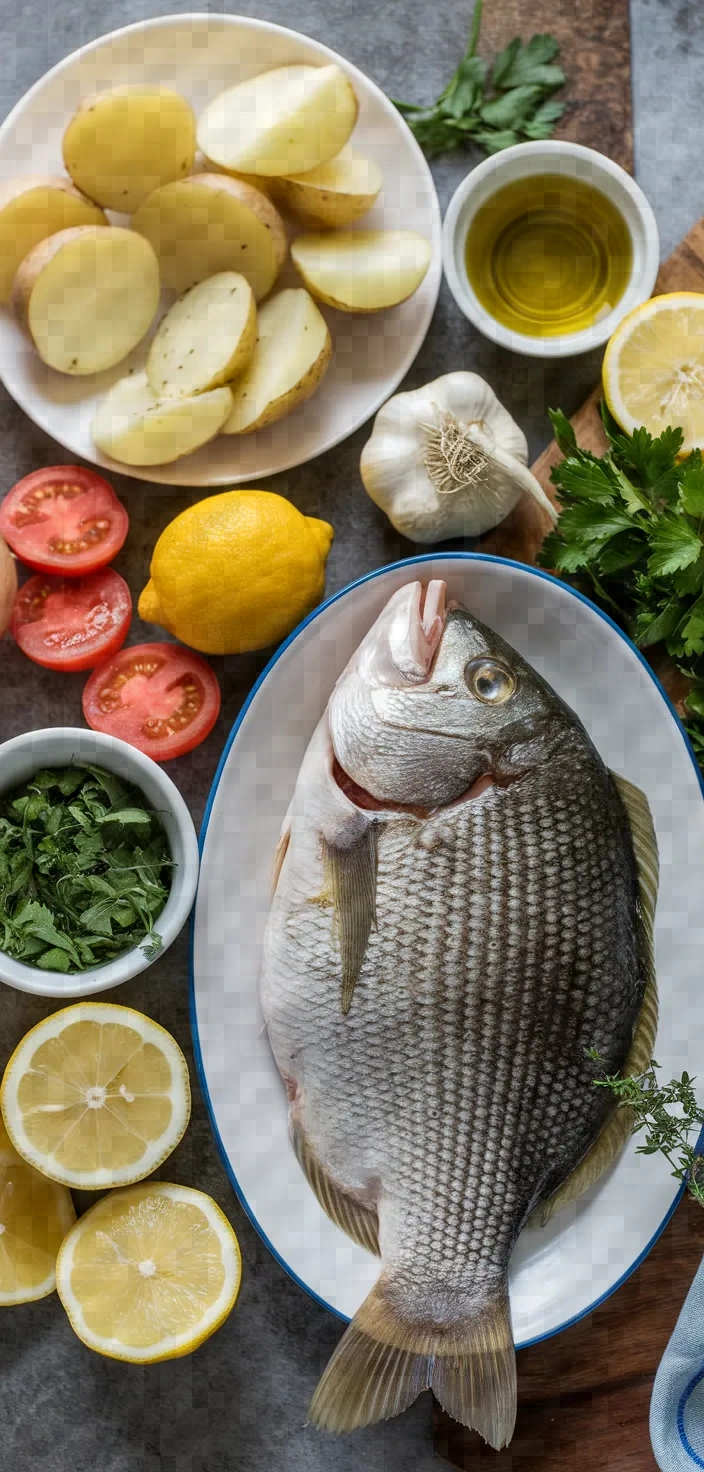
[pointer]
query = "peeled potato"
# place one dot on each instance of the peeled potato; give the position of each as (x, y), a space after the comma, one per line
(87, 296)
(280, 122)
(291, 356)
(204, 165)
(211, 223)
(134, 426)
(362, 270)
(206, 338)
(121, 145)
(31, 210)
(334, 194)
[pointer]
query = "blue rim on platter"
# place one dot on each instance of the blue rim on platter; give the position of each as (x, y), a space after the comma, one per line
(197, 1052)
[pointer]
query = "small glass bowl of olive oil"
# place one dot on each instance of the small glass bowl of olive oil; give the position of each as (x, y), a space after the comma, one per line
(546, 247)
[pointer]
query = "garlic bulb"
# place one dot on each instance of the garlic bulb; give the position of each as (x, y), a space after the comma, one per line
(447, 460)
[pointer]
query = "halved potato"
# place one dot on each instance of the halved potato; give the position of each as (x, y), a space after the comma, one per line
(205, 339)
(280, 122)
(87, 296)
(121, 145)
(292, 353)
(211, 223)
(205, 165)
(134, 426)
(31, 210)
(362, 270)
(334, 194)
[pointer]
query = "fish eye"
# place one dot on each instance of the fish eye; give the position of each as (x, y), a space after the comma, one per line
(490, 681)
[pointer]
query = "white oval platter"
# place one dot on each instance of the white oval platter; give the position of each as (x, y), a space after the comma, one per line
(562, 1271)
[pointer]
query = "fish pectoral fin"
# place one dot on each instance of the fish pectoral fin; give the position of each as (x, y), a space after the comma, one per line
(280, 853)
(351, 877)
(360, 1222)
(612, 1137)
(384, 1361)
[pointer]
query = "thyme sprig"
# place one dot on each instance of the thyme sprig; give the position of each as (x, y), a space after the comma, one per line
(668, 1114)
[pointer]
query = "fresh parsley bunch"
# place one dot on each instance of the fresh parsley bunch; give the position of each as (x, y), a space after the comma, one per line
(668, 1113)
(632, 529)
(494, 111)
(85, 870)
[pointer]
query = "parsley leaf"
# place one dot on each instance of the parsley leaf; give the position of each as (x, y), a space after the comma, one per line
(495, 114)
(674, 543)
(631, 532)
(84, 870)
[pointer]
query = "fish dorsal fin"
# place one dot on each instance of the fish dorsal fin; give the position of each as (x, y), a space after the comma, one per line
(612, 1138)
(350, 872)
(360, 1222)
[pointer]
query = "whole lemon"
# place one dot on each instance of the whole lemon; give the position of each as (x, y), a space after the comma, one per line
(236, 572)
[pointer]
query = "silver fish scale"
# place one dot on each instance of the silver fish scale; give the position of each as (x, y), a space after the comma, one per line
(456, 1092)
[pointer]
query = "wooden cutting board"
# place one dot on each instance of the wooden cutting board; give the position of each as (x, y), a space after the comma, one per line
(584, 1395)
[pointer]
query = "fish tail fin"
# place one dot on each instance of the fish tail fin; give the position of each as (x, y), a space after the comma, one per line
(384, 1361)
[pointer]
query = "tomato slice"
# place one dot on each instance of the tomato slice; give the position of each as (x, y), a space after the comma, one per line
(72, 623)
(162, 698)
(64, 519)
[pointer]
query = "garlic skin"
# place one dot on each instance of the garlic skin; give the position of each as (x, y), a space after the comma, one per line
(447, 460)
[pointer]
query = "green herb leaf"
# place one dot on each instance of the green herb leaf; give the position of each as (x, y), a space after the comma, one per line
(542, 123)
(127, 815)
(652, 628)
(692, 486)
(84, 869)
(54, 960)
(563, 431)
(518, 65)
(668, 1115)
(523, 78)
(674, 544)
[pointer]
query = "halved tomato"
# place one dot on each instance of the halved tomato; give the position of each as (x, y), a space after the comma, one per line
(72, 623)
(162, 698)
(64, 519)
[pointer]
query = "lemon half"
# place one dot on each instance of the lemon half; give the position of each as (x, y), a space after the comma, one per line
(96, 1095)
(149, 1273)
(653, 371)
(35, 1215)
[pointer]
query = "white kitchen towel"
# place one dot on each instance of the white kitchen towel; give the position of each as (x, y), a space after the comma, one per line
(677, 1404)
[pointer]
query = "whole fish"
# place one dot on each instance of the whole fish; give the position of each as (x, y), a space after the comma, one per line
(464, 905)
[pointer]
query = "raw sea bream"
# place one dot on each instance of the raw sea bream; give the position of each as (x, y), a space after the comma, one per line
(464, 905)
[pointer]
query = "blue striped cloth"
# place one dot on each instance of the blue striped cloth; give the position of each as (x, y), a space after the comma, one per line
(677, 1405)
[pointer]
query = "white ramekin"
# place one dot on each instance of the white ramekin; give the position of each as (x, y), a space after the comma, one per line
(58, 747)
(551, 157)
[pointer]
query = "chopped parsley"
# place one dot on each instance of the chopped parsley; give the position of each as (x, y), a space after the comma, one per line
(85, 870)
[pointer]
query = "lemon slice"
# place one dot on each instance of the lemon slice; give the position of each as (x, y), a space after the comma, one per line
(96, 1095)
(653, 371)
(149, 1272)
(35, 1215)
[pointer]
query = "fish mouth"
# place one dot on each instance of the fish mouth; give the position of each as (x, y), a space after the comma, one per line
(370, 804)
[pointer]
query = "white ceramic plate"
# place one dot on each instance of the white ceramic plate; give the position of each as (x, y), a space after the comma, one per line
(560, 1272)
(200, 55)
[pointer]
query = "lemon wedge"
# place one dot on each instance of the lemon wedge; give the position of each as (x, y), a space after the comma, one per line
(96, 1095)
(653, 371)
(149, 1273)
(35, 1215)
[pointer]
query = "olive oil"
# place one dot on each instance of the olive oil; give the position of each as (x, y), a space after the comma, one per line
(548, 255)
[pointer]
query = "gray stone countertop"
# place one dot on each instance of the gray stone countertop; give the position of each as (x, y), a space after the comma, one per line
(239, 1403)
